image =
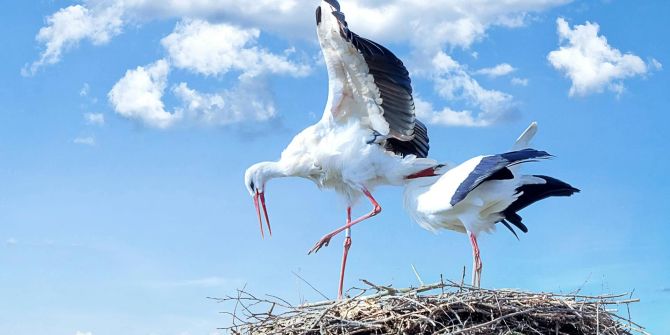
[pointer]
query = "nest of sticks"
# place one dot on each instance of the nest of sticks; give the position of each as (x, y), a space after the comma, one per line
(440, 308)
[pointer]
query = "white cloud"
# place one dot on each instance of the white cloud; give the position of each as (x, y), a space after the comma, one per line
(519, 81)
(138, 95)
(11, 241)
(69, 25)
(447, 116)
(453, 83)
(497, 71)
(97, 119)
(232, 45)
(85, 140)
(431, 25)
(84, 90)
(213, 49)
(208, 49)
(447, 22)
(656, 64)
(83, 333)
(245, 102)
(590, 62)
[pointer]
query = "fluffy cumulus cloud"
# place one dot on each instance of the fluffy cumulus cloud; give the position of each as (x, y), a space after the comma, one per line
(138, 95)
(212, 49)
(447, 22)
(232, 45)
(454, 83)
(591, 63)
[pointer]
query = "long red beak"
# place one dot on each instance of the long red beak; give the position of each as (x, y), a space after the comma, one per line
(260, 197)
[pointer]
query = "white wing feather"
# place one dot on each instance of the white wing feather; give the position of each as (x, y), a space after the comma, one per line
(523, 142)
(352, 93)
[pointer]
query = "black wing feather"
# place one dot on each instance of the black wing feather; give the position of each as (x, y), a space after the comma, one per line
(418, 146)
(532, 193)
(489, 166)
(334, 3)
(390, 76)
(535, 192)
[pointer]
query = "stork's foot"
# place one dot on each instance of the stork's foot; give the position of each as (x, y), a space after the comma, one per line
(323, 242)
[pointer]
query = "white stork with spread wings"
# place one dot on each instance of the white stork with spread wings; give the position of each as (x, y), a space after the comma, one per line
(475, 195)
(368, 134)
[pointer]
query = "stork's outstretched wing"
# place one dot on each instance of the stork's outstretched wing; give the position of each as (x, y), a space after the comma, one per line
(494, 167)
(366, 80)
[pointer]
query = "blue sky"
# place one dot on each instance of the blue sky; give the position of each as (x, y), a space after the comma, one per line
(121, 212)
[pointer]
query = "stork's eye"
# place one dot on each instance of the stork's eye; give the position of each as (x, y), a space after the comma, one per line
(251, 185)
(318, 15)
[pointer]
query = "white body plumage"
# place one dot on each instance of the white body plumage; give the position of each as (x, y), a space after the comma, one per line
(338, 156)
(427, 200)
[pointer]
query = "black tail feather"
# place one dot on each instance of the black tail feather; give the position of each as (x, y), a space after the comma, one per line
(515, 219)
(503, 221)
(532, 193)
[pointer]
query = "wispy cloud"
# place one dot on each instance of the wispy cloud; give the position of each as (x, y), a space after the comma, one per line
(453, 83)
(249, 100)
(11, 241)
(591, 63)
(84, 90)
(519, 81)
(97, 119)
(85, 140)
(496, 71)
(69, 25)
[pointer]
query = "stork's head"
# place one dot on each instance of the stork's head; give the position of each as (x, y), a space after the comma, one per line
(330, 20)
(255, 178)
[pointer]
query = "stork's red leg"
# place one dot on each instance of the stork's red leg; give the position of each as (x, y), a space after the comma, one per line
(347, 244)
(476, 261)
(326, 238)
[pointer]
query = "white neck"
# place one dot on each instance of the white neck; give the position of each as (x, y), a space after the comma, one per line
(272, 170)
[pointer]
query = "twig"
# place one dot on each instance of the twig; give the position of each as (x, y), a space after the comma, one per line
(417, 275)
(310, 285)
